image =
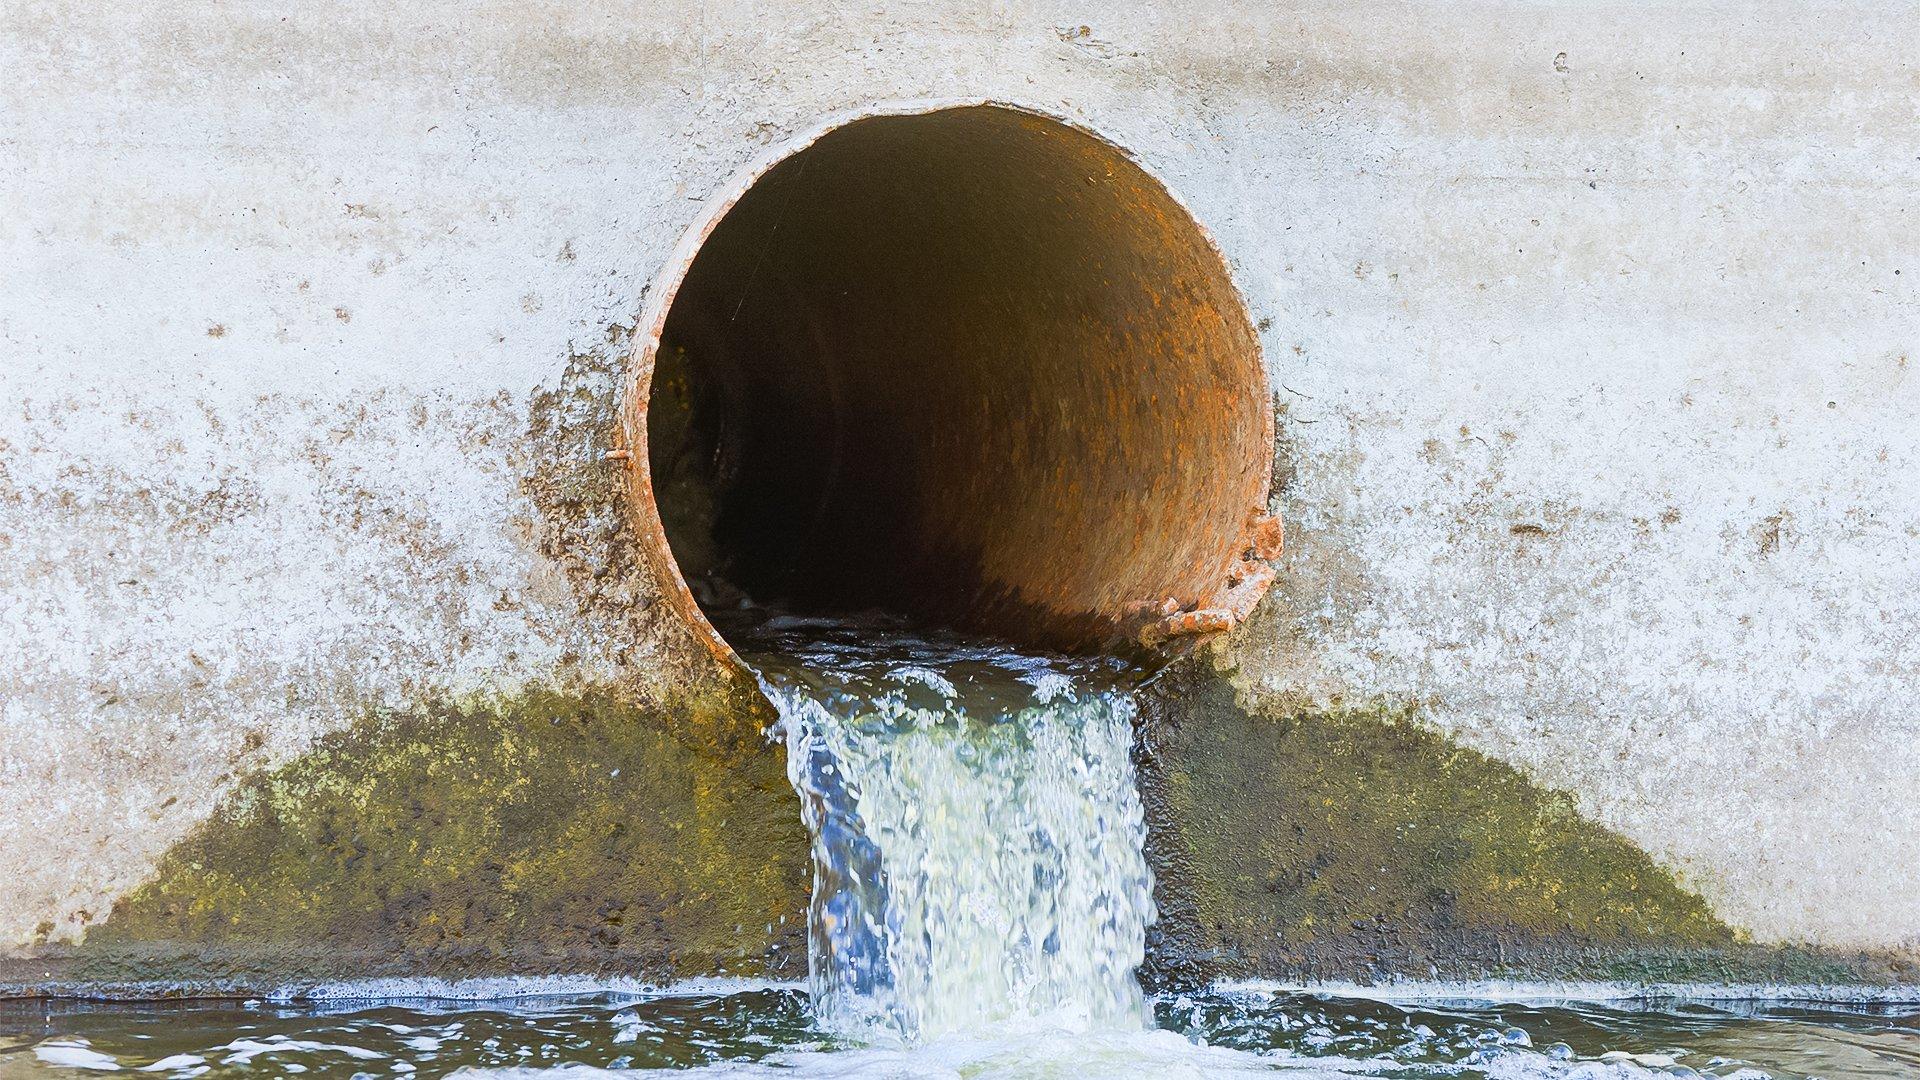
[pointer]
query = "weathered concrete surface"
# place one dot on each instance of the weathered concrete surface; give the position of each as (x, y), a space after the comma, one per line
(1590, 329)
(550, 833)
(1356, 844)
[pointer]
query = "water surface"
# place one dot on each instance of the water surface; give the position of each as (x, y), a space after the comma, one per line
(770, 1032)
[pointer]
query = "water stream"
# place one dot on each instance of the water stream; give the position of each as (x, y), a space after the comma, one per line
(977, 833)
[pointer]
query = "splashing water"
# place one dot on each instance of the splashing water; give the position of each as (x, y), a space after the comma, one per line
(977, 834)
(555, 1030)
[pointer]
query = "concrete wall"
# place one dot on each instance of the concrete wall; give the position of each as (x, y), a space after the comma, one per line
(1590, 327)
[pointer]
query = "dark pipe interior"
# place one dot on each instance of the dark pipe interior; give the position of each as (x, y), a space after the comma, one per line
(974, 367)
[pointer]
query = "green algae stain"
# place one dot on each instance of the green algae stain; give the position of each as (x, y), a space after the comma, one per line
(550, 832)
(577, 833)
(1352, 843)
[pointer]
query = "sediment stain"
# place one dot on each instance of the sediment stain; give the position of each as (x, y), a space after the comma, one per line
(1353, 843)
(575, 832)
(550, 832)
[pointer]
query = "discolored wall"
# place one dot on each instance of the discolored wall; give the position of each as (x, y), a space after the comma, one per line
(1354, 843)
(1589, 340)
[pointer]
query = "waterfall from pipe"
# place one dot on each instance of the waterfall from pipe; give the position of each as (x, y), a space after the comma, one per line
(977, 833)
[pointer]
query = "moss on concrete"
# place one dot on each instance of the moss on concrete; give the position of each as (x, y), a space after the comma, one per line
(1352, 843)
(551, 832)
(575, 832)
(1355, 844)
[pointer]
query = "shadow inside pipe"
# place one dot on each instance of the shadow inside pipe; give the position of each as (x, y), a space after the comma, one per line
(974, 368)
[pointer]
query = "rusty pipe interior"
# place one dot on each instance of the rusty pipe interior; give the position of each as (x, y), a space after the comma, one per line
(974, 367)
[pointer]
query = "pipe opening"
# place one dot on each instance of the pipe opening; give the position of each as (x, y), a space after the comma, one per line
(973, 367)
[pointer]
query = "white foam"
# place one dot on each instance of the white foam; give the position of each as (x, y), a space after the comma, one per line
(1026, 1052)
(514, 986)
(174, 1061)
(1547, 992)
(75, 1055)
(245, 1050)
(1041, 1053)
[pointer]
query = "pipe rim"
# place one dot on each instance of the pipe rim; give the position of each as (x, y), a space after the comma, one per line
(664, 288)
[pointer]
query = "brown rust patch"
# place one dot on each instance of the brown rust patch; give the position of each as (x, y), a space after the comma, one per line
(583, 527)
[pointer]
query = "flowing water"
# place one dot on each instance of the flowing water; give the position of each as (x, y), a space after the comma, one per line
(980, 907)
(977, 834)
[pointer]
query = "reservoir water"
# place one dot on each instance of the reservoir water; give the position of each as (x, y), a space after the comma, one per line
(770, 1031)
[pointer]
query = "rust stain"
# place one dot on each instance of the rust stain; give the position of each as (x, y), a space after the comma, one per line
(1246, 584)
(973, 365)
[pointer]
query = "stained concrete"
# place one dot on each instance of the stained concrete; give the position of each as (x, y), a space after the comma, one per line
(551, 833)
(1589, 332)
(1356, 844)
